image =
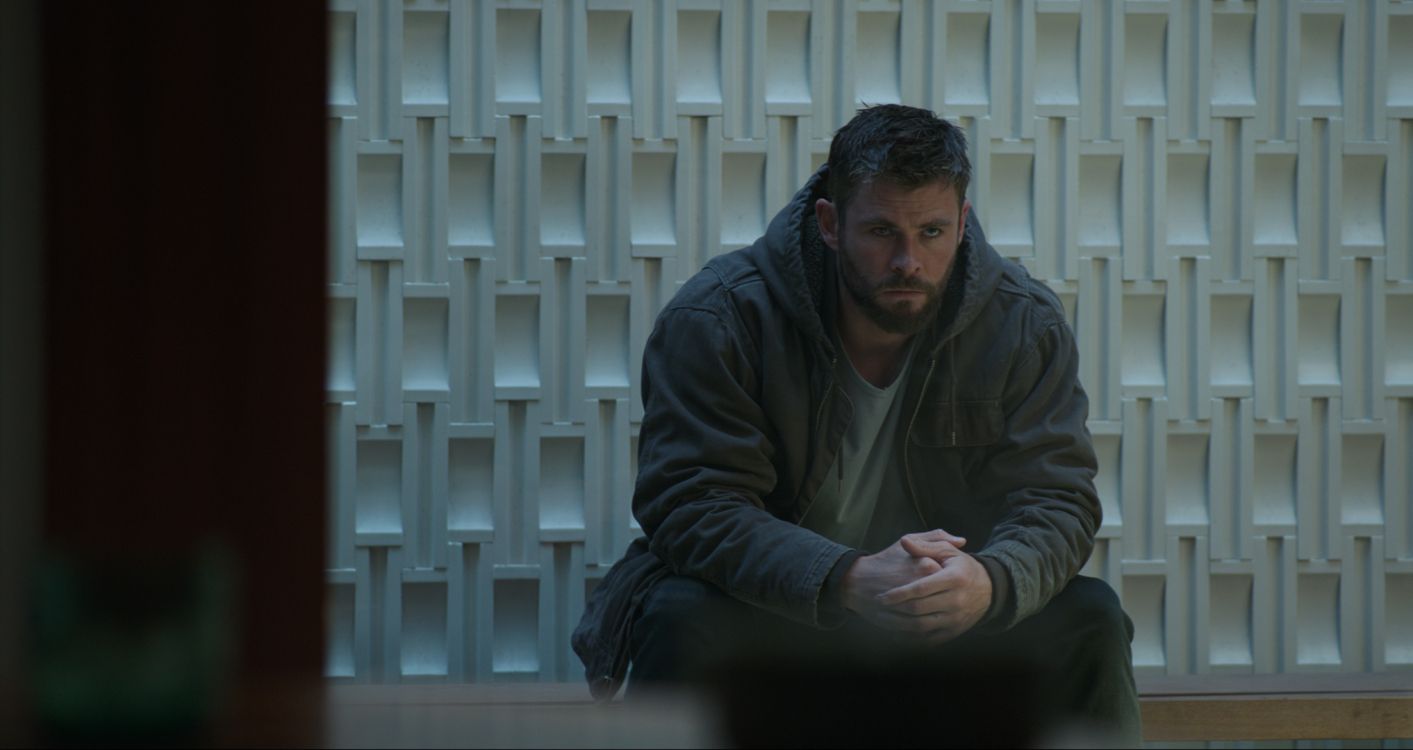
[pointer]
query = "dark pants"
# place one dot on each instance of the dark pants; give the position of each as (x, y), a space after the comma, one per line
(1063, 674)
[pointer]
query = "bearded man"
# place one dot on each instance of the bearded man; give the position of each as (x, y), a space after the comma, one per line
(866, 430)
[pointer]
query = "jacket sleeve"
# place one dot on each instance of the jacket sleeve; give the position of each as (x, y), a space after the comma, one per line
(704, 466)
(1042, 471)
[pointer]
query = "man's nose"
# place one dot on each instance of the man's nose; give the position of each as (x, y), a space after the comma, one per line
(907, 257)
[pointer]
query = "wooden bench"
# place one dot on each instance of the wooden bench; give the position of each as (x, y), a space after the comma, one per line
(507, 715)
(1194, 708)
(1296, 706)
(1175, 709)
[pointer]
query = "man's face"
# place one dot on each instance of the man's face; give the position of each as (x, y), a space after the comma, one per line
(896, 248)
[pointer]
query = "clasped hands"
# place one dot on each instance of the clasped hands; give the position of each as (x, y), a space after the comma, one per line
(923, 587)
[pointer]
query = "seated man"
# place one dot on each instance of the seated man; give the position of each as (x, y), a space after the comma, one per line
(867, 422)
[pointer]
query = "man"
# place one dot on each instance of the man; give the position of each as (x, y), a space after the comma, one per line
(866, 421)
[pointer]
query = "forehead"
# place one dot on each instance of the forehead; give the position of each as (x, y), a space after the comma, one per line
(885, 200)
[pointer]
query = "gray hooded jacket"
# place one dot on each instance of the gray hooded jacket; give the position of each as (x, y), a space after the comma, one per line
(744, 415)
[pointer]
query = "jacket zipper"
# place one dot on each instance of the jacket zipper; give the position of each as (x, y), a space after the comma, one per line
(952, 384)
(839, 464)
(828, 389)
(819, 424)
(907, 440)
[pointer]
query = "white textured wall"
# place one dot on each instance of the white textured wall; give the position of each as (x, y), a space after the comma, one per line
(1219, 191)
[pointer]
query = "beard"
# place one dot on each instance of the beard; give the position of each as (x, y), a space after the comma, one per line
(897, 317)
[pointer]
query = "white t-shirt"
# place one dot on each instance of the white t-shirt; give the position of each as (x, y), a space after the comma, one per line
(863, 503)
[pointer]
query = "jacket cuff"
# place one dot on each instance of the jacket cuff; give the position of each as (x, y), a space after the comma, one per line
(831, 594)
(1002, 600)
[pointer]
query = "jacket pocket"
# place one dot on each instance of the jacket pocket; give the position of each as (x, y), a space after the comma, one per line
(959, 424)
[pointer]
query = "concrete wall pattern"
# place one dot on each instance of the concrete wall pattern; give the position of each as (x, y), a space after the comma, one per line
(1218, 191)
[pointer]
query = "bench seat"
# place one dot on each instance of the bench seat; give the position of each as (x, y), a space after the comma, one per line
(1277, 707)
(1175, 709)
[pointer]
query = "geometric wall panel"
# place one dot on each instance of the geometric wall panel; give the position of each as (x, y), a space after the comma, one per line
(1218, 193)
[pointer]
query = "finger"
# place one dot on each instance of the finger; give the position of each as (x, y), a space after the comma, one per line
(938, 549)
(937, 535)
(925, 566)
(918, 589)
(937, 583)
(929, 548)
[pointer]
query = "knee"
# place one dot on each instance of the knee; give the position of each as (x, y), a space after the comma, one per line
(679, 630)
(680, 607)
(1093, 602)
(679, 598)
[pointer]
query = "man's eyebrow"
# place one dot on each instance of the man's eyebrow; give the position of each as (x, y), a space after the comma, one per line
(883, 222)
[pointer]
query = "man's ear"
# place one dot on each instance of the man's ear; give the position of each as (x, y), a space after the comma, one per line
(828, 222)
(966, 209)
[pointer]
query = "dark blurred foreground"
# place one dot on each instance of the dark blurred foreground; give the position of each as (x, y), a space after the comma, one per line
(791, 696)
(161, 442)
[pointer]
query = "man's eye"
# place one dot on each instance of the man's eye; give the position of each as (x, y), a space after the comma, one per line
(932, 232)
(881, 231)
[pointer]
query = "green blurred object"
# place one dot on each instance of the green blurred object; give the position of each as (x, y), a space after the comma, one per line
(129, 651)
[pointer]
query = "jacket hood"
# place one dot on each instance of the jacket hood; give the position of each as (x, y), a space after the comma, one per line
(799, 270)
